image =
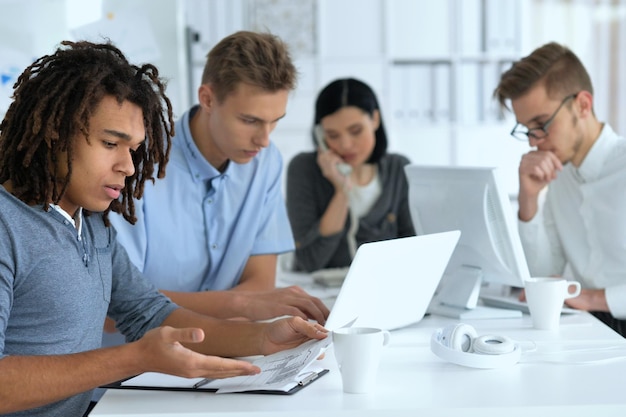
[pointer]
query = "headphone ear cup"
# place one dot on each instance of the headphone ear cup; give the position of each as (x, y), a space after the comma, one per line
(493, 345)
(459, 337)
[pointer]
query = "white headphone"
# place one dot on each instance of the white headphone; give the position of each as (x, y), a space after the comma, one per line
(460, 344)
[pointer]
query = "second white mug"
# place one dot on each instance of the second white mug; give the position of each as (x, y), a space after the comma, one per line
(545, 297)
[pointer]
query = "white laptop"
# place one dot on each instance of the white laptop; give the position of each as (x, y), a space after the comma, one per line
(390, 283)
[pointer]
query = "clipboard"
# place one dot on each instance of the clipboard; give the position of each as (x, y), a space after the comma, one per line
(283, 373)
(190, 386)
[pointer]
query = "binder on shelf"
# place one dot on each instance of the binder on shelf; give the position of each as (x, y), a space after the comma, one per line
(489, 81)
(412, 89)
(398, 81)
(500, 26)
(471, 26)
(441, 92)
(420, 91)
(469, 105)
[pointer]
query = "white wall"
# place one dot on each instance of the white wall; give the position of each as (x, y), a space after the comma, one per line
(29, 29)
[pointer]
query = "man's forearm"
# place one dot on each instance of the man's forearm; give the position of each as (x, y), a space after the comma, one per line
(236, 338)
(218, 304)
(527, 207)
(31, 381)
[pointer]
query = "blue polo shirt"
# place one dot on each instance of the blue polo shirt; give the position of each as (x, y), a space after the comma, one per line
(197, 227)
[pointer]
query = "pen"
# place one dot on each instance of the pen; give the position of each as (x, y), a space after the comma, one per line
(308, 379)
(201, 383)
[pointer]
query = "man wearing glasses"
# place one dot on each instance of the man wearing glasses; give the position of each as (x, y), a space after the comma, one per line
(581, 163)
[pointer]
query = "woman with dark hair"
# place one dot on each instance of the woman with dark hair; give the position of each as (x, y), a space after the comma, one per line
(350, 191)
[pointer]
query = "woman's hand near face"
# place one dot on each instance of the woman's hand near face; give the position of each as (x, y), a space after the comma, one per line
(328, 161)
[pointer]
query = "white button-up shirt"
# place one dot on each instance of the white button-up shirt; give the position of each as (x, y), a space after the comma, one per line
(583, 223)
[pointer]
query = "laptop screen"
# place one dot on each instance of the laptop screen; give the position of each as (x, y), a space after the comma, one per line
(390, 283)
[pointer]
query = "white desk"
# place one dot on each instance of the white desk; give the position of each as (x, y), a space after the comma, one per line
(413, 381)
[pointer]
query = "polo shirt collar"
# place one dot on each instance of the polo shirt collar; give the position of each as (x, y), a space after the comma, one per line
(199, 168)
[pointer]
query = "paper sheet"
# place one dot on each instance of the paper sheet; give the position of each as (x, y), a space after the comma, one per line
(279, 371)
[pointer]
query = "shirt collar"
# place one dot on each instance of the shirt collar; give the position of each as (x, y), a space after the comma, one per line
(199, 168)
(77, 220)
(592, 165)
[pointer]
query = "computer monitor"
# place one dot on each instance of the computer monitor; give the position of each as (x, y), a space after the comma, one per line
(489, 253)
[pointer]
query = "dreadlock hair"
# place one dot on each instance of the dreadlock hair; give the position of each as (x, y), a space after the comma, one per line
(53, 101)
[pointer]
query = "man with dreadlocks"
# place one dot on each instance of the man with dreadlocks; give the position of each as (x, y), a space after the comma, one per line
(85, 128)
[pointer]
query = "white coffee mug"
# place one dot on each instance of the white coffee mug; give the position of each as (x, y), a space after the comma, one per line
(545, 297)
(358, 351)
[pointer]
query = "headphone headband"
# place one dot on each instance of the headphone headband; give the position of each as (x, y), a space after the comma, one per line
(477, 359)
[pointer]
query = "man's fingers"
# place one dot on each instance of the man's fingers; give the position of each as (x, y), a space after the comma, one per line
(309, 329)
(318, 312)
(308, 307)
(185, 335)
(295, 289)
(311, 308)
(322, 307)
(556, 162)
(299, 311)
(540, 165)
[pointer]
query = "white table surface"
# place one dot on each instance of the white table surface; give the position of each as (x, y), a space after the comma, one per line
(551, 380)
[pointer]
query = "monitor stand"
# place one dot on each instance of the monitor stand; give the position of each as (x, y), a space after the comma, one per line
(458, 297)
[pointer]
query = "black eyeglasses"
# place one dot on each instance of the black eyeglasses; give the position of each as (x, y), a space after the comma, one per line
(539, 133)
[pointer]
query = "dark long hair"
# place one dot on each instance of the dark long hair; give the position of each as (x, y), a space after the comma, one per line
(346, 92)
